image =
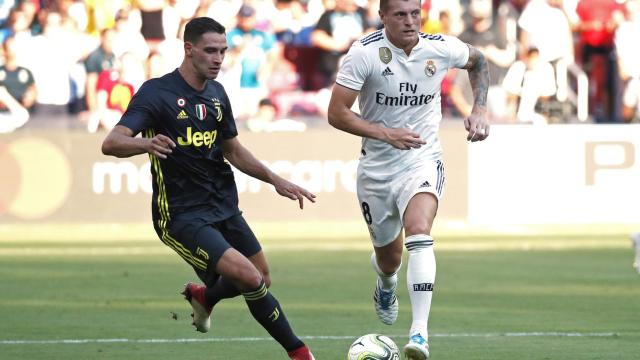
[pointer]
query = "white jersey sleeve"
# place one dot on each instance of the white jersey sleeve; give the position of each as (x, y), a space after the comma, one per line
(355, 69)
(459, 52)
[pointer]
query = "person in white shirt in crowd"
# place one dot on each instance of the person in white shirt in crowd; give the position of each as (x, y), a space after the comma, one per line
(529, 83)
(545, 24)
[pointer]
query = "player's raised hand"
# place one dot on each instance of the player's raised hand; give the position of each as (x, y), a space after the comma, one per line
(403, 139)
(293, 191)
(160, 145)
(477, 126)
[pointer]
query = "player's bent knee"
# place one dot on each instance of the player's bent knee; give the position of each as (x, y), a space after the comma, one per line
(249, 279)
(267, 279)
(239, 270)
(390, 263)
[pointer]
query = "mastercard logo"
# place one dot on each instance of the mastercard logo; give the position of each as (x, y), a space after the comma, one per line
(35, 179)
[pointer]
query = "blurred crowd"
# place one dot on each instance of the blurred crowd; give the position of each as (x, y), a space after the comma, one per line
(76, 64)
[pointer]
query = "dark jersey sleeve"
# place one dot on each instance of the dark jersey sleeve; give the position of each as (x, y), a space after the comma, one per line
(140, 112)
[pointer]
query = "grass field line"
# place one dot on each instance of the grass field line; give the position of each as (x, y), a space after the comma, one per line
(157, 249)
(308, 337)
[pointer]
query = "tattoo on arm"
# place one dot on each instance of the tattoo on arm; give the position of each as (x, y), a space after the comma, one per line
(478, 76)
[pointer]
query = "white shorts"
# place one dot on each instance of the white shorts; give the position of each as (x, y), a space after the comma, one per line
(383, 202)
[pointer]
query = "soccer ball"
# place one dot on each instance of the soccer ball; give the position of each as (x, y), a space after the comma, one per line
(373, 347)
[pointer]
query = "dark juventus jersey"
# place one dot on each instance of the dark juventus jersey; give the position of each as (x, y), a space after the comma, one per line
(195, 176)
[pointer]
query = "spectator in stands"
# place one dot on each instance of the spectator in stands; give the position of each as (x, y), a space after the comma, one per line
(373, 19)
(35, 16)
(255, 52)
(113, 94)
(598, 20)
(626, 41)
(101, 59)
(176, 13)
(127, 37)
(102, 14)
(507, 19)
(529, 83)
(18, 25)
(53, 75)
(483, 34)
(225, 10)
(292, 23)
(17, 90)
(74, 10)
(152, 26)
(5, 10)
(16, 79)
(172, 47)
(454, 12)
(266, 120)
(434, 25)
(546, 24)
(155, 66)
(335, 32)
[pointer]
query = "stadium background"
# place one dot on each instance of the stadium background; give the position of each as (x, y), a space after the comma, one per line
(526, 175)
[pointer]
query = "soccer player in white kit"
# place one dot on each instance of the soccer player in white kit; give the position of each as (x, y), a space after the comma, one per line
(396, 72)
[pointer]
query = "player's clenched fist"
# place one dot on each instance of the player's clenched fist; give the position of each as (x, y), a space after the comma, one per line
(160, 145)
(403, 139)
(477, 126)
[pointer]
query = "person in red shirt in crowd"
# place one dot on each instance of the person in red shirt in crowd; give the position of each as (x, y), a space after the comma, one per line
(598, 21)
(113, 94)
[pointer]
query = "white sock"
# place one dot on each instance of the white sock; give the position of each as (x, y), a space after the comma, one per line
(421, 275)
(388, 281)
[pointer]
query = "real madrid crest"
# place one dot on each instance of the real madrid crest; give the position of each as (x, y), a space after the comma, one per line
(385, 54)
(430, 68)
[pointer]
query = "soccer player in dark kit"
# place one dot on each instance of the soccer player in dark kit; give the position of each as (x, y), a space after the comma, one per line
(189, 131)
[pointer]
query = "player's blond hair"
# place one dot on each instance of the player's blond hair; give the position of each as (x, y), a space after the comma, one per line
(384, 4)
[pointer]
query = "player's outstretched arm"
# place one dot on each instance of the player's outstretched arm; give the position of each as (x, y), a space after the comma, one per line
(120, 142)
(477, 124)
(243, 160)
(341, 117)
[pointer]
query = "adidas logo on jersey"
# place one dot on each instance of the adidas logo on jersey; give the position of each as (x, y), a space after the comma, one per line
(387, 72)
(182, 115)
(424, 184)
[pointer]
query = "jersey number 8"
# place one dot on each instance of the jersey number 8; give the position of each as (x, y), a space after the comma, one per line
(366, 211)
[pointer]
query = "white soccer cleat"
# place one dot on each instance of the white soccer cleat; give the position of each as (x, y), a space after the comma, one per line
(635, 240)
(386, 304)
(417, 348)
(194, 294)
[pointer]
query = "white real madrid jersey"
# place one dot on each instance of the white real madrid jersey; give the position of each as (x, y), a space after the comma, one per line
(399, 90)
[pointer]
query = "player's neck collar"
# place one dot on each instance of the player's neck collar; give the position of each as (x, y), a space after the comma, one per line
(398, 50)
(187, 84)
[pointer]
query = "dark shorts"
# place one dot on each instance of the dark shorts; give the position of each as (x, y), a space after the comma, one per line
(201, 242)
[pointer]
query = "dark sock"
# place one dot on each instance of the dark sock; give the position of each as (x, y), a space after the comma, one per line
(222, 289)
(267, 311)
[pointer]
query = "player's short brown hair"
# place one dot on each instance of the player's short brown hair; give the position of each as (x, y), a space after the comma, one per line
(196, 27)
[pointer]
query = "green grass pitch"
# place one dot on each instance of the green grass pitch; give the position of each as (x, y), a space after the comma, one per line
(497, 297)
